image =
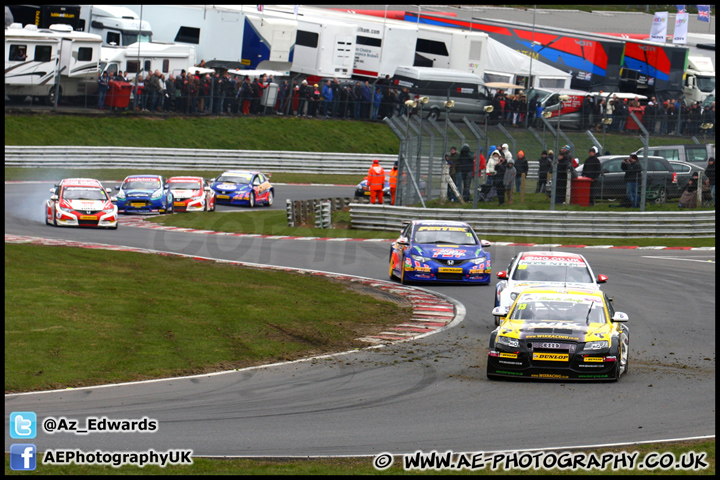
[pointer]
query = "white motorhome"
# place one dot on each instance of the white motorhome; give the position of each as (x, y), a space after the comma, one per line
(443, 47)
(115, 24)
(224, 35)
(142, 57)
(38, 61)
(465, 89)
(699, 79)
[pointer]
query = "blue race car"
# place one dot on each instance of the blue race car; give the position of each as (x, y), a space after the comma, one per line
(241, 187)
(144, 194)
(440, 251)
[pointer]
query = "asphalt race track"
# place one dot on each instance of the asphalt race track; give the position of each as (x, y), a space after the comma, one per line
(427, 394)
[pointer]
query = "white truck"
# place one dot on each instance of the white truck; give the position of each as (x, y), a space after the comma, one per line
(699, 79)
(115, 24)
(145, 57)
(224, 36)
(44, 62)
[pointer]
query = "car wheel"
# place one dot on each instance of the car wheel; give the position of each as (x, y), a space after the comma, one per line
(402, 271)
(662, 196)
(390, 273)
(270, 199)
(252, 200)
(54, 222)
(434, 114)
(50, 98)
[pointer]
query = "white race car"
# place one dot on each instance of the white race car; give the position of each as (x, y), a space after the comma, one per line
(81, 202)
(552, 269)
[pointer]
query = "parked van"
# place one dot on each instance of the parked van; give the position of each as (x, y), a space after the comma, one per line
(466, 89)
(570, 111)
(696, 154)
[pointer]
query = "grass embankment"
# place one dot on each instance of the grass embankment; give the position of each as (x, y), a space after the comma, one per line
(120, 316)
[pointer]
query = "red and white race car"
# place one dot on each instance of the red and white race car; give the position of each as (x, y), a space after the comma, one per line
(81, 202)
(191, 194)
(548, 268)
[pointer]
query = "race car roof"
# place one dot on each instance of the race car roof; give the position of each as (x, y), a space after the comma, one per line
(80, 182)
(448, 223)
(552, 257)
(185, 179)
(144, 177)
(240, 172)
(564, 290)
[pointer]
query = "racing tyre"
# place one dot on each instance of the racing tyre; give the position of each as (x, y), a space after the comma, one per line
(54, 218)
(402, 272)
(269, 199)
(252, 200)
(391, 274)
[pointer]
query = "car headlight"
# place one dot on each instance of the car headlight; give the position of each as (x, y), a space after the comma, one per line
(156, 194)
(513, 296)
(64, 210)
(597, 345)
(478, 260)
(109, 210)
(509, 342)
(420, 258)
(121, 195)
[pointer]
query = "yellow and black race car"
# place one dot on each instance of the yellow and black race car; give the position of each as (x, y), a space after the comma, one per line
(559, 333)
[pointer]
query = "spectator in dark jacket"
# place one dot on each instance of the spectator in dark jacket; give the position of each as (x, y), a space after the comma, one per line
(710, 173)
(521, 168)
(564, 163)
(632, 170)
(593, 169)
(465, 164)
(543, 171)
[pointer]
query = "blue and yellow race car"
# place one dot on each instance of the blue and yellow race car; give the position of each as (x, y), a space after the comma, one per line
(242, 187)
(440, 251)
(560, 333)
(144, 194)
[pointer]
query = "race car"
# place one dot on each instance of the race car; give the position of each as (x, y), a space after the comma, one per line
(362, 189)
(543, 268)
(440, 251)
(144, 194)
(191, 194)
(240, 187)
(560, 333)
(80, 202)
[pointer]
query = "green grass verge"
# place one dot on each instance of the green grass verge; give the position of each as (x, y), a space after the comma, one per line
(364, 466)
(256, 133)
(132, 316)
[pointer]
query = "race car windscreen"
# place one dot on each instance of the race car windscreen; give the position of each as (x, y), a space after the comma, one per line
(552, 272)
(578, 310)
(144, 184)
(449, 235)
(241, 179)
(76, 193)
(189, 185)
